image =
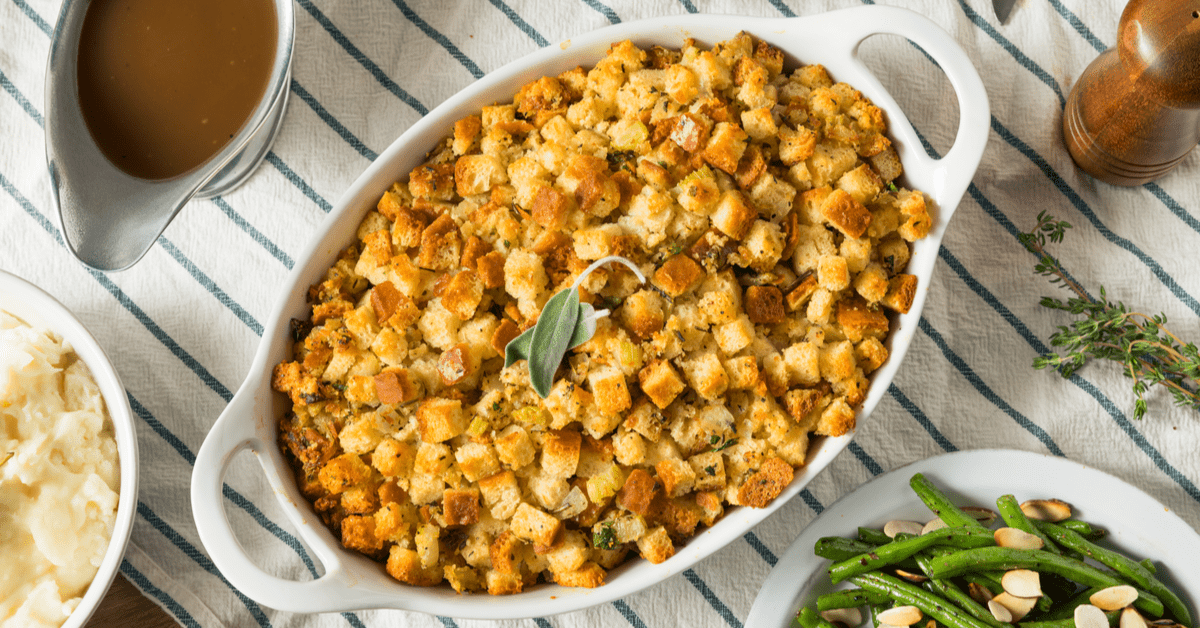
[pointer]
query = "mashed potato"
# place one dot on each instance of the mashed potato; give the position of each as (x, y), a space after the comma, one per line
(58, 476)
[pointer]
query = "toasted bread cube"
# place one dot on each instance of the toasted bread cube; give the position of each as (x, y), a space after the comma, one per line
(629, 447)
(477, 174)
(681, 84)
(660, 382)
(743, 372)
(820, 306)
(397, 386)
(393, 520)
(706, 375)
(833, 274)
(802, 362)
(571, 554)
(773, 195)
(560, 453)
(862, 183)
(677, 476)
(393, 201)
(551, 208)
(477, 460)
(405, 565)
(460, 507)
(845, 214)
(638, 492)
(514, 446)
(501, 494)
(393, 458)
(589, 576)
(432, 459)
(462, 294)
(466, 133)
(425, 489)
(643, 313)
(764, 305)
(762, 247)
(433, 182)
(439, 419)
(504, 583)
(343, 472)
(836, 420)
(725, 146)
(533, 525)
(871, 354)
(796, 145)
(902, 289)
(802, 292)
(871, 283)
(708, 471)
(734, 335)
(859, 320)
(491, 269)
(656, 546)
(390, 346)
(595, 242)
(609, 391)
(524, 276)
(763, 486)
(678, 275)
(759, 124)
(548, 491)
(734, 215)
(441, 245)
(802, 401)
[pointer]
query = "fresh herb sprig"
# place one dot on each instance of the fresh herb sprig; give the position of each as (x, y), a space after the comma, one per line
(1149, 353)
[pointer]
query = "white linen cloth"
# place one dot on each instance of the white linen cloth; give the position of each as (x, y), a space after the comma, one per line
(183, 324)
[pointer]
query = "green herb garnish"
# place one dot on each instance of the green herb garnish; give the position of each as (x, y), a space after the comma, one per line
(1148, 352)
(564, 324)
(725, 445)
(605, 538)
(892, 187)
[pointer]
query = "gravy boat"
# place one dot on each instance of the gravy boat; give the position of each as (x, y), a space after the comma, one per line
(109, 218)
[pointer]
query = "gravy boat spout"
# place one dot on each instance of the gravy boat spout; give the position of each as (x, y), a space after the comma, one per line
(109, 218)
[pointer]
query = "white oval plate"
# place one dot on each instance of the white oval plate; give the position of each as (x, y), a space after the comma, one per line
(1138, 525)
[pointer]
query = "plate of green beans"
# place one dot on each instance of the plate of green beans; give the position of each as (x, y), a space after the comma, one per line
(988, 539)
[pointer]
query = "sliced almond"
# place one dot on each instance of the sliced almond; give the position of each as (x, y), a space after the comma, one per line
(934, 524)
(1114, 598)
(900, 615)
(1022, 583)
(1130, 618)
(986, 516)
(1001, 613)
(1017, 539)
(1088, 616)
(851, 617)
(910, 576)
(1018, 606)
(978, 593)
(1052, 510)
(894, 527)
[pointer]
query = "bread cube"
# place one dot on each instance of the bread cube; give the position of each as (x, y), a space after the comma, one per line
(802, 361)
(514, 447)
(764, 485)
(902, 289)
(677, 476)
(477, 460)
(845, 214)
(773, 195)
(533, 525)
(438, 325)
(706, 375)
(609, 391)
(643, 313)
(501, 494)
(660, 382)
(836, 420)
(393, 458)
(725, 146)
(764, 305)
(870, 354)
(656, 546)
(734, 215)
(678, 275)
(477, 174)
(460, 507)
(343, 472)
(735, 335)
(439, 419)
(433, 182)
(833, 274)
(761, 248)
(560, 453)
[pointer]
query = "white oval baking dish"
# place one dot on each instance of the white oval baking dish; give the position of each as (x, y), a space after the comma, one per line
(352, 581)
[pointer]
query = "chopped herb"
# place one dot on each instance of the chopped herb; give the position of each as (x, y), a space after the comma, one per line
(507, 244)
(892, 186)
(495, 406)
(605, 538)
(339, 387)
(726, 445)
(675, 248)
(714, 439)
(616, 159)
(710, 469)
(611, 303)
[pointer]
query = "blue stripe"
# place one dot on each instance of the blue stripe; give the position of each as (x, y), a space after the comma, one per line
(283, 169)
(31, 14)
(200, 559)
(361, 58)
(254, 234)
(332, 122)
(783, 8)
(1174, 206)
(1021, 58)
(986, 391)
(211, 286)
(542, 623)
(520, 23)
(687, 4)
(447, 622)
(1087, 212)
(628, 614)
(21, 100)
(760, 547)
(865, 458)
(923, 420)
(712, 599)
(441, 39)
(811, 500)
(1077, 24)
(607, 12)
(143, 583)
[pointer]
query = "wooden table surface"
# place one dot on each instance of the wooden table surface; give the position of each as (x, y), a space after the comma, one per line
(126, 606)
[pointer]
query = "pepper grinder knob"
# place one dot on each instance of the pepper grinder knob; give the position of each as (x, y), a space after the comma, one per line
(1134, 113)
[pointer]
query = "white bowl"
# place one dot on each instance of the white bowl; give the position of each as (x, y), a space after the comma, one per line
(39, 309)
(352, 581)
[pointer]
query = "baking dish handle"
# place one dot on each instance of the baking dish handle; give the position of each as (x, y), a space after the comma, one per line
(974, 114)
(234, 431)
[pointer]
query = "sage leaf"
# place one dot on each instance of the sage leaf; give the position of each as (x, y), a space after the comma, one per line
(517, 349)
(585, 327)
(551, 336)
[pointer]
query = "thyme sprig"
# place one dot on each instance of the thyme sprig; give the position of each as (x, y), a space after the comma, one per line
(1149, 353)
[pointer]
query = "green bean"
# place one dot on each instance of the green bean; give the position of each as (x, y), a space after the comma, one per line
(1003, 558)
(1112, 616)
(1085, 529)
(944, 612)
(1149, 565)
(986, 580)
(838, 548)
(1123, 565)
(873, 536)
(950, 591)
(1066, 610)
(899, 550)
(1012, 514)
(849, 598)
(808, 618)
(941, 505)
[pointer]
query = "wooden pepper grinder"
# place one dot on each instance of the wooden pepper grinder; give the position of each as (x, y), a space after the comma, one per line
(1134, 114)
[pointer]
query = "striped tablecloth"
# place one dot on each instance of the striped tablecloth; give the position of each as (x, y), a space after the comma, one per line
(182, 325)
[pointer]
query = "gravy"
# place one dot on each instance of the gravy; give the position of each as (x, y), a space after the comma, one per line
(165, 85)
